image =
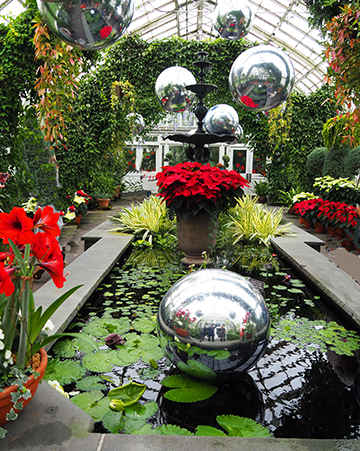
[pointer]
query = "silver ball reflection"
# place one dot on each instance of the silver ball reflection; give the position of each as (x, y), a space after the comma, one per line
(170, 89)
(261, 78)
(88, 24)
(213, 324)
(233, 19)
(221, 119)
(239, 133)
(136, 122)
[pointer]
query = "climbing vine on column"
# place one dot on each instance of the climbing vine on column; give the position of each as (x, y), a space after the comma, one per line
(60, 65)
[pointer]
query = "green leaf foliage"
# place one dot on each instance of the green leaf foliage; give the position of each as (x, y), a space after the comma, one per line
(187, 389)
(99, 362)
(241, 426)
(92, 403)
(64, 372)
(129, 393)
(90, 383)
(167, 429)
(196, 369)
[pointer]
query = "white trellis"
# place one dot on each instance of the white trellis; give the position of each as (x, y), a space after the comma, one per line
(160, 146)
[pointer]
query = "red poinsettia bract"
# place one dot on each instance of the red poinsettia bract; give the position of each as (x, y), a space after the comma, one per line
(198, 184)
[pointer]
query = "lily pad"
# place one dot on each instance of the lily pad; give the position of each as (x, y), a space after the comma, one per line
(99, 362)
(241, 426)
(196, 369)
(112, 421)
(64, 372)
(209, 431)
(92, 403)
(90, 383)
(129, 393)
(167, 429)
(187, 389)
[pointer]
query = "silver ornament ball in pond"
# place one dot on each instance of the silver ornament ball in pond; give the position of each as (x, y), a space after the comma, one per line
(261, 78)
(89, 25)
(221, 119)
(233, 19)
(136, 122)
(213, 324)
(170, 89)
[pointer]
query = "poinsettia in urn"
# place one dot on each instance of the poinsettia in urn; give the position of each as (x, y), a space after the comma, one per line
(193, 188)
(27, 245)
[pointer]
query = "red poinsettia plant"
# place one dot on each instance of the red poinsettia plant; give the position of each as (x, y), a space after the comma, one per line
(308, 209)
(338, 214)
(27, 245)
(192, 188)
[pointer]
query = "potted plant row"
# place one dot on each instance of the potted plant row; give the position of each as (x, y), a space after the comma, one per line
(336, 217)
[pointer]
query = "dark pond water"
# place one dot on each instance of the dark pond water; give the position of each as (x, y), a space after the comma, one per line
(300, 388)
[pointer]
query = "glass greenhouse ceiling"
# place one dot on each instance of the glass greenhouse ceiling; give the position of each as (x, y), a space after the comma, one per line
(280, 23)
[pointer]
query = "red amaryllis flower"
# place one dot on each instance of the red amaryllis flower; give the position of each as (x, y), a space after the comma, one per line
(104, 32)
(6, 285)
(55, 268)
(43, 246)
(46, 220)
(16, 226)
(246, 100)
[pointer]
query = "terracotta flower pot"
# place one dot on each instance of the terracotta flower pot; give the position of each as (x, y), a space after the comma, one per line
(32, 384)
(307, 224)
(339, 232)
(181, 332)
(196, 234)
(347, 244)
(331, 230)
(291, 211)
(319, 228)
(302, 220)
(78, 219)
(103, 203)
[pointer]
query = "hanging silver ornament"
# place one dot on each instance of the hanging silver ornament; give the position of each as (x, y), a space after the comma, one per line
(170, 89)
(88, 24)
(221, 119)
(233, 19)
(213, 324)
(261, 78)
(136, 122)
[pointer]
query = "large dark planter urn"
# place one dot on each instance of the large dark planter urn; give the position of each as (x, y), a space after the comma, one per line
(196, 235)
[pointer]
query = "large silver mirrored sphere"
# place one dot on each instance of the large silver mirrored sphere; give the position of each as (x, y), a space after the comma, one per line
(170, 89)
(221, 119)
(88, 24)
(261, 78)
(233, 19)
(213, 324)
(136, 122)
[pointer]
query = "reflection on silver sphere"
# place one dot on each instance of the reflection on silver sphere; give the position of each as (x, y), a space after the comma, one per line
(221, 119)
(136, 122)
(233, 19)
(88, 24)
(261, 78)
(213, 324)
(239, 133)
(170, 89)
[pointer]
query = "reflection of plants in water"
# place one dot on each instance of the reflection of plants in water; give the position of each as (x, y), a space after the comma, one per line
(319, 397)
